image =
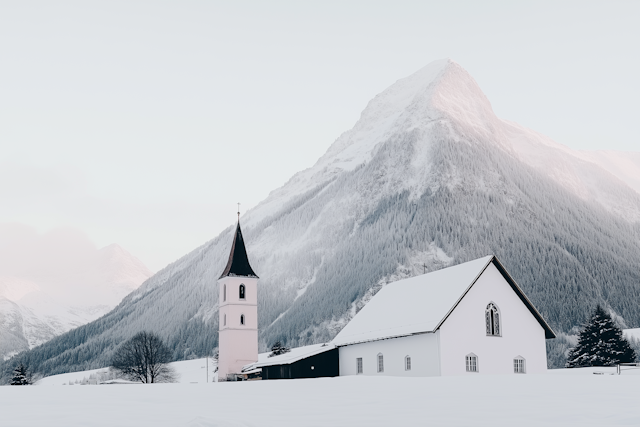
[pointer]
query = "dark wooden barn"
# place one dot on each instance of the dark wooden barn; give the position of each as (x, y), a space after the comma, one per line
(317, 361)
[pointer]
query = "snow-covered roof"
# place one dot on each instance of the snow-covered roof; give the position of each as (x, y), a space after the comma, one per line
(289, 357)
(420, 304)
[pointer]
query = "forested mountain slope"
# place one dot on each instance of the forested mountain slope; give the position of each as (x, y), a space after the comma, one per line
(428, 177)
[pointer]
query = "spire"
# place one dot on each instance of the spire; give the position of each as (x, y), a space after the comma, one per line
(238, 264)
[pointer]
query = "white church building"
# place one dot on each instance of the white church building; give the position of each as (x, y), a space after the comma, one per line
(471, 318)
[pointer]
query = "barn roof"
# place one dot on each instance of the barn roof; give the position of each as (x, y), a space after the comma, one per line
(290, 357)
(422, 303)
(238, 264)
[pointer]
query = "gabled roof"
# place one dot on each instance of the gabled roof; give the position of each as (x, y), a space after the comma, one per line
(422, 303)
(238, 264)
(290, 357)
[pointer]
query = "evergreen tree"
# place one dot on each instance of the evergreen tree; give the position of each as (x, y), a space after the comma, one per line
(600, 343)
(277, 349)
(21, 375)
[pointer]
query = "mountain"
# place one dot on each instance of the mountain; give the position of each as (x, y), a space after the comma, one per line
(428, 177)
(39, 306)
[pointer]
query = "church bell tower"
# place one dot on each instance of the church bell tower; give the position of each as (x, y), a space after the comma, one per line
(238, 302)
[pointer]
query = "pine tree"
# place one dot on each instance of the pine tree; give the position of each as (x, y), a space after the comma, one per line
(277, 349)
(21, 375)
(600, 343)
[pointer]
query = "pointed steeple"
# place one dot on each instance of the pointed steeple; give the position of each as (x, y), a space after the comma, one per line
(238, 264)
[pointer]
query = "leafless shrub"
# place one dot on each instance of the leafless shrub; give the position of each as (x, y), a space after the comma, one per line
(144, 358)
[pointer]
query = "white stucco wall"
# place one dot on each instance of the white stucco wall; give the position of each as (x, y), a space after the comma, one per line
(464, 331)
(238, 344)
(422, 348)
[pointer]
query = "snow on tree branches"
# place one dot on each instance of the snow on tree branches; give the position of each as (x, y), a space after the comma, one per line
(600, 343)
(144, 358)
(21, 375)
(277, 349)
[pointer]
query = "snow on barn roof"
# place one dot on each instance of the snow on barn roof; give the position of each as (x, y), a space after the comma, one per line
(421, 304)
(289, 357)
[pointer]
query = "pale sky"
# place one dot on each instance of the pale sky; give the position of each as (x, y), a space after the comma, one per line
(142, 123)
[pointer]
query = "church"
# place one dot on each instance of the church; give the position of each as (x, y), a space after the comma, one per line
(471, 318)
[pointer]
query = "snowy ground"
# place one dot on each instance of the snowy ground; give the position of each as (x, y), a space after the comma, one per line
(559, 398)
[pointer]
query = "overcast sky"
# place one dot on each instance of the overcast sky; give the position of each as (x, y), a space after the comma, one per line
(142, 123)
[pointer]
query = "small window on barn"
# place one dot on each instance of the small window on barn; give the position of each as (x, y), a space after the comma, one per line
(492, 320)
(224, 293)
(241, 291)
(380, 362)
(242, 319)
(471, 361)
(359, 365)
(519, 365)
(407, 363)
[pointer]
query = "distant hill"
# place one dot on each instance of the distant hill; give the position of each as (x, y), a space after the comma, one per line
(46, 301)
(428, 177)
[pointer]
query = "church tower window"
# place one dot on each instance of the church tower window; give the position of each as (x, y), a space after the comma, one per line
(492, 320)
(224, 293)
(242, 319)
(241, 292)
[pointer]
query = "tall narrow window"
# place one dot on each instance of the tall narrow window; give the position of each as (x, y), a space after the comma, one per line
(519, 365)
(225, 320)
(471, 361)
(241, 291)
(242, 319)
(407, 363)
(492, 320)
(380, 362)
(359, 365)
(224, 293)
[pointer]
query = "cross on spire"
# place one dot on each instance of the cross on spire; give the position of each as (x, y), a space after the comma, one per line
(238, 211)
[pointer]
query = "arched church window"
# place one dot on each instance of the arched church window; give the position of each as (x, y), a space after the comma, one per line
(241, 291)
(380, 362)
(407, 363)
(224, 293)
(242, 319)
(225, 320)
(492, 320)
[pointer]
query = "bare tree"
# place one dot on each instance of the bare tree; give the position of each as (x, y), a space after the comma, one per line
(144, 358)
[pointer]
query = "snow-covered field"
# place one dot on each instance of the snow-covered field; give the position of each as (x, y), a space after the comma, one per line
(560, 398)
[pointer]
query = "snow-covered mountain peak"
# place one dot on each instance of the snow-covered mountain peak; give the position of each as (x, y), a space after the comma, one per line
(87, 284)
(440, 91)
